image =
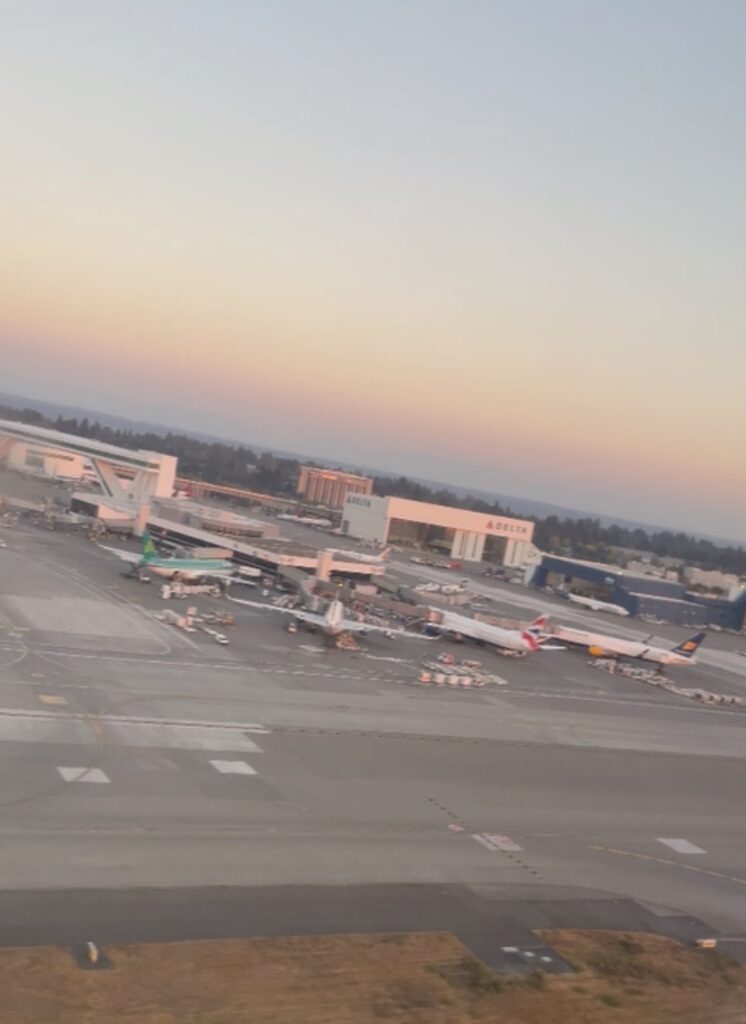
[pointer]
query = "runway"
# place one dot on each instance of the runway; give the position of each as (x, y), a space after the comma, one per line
(134, 756)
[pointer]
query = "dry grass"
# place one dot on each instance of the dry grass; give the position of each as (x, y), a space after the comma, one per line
(417, 978)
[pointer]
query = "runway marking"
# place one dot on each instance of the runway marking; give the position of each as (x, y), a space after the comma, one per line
(670, 863)
(504, 843)
(381, 657)
(682, 845)
(497, 844)
(145, 659)
(659, 705)
(136, 720)
(233, 767)
(509, 949)
(83, 775)
(52, 698)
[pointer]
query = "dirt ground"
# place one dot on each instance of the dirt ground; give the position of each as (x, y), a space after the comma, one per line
(418, 978)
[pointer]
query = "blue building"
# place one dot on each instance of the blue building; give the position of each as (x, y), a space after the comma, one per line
(640, 595)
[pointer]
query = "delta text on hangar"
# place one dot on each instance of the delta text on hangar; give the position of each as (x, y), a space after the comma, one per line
(456, 532)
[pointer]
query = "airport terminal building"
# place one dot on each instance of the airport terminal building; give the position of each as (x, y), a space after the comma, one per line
(457, 533)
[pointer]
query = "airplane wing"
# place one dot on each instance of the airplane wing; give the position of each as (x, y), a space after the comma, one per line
(296, 613)
(263, 606)
(352, 626)
(346, 625)
(133, 557)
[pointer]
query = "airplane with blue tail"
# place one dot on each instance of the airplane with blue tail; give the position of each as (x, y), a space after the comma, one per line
(600, 646)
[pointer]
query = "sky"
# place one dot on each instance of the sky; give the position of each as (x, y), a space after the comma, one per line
(498, 244)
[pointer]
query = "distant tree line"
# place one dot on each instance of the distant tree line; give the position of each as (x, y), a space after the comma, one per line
(235, 465)
(583, 538)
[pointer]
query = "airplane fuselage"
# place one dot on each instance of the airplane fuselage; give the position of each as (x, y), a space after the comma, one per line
(597, 606)
(615, 647)
(187, 568)
(483, 632)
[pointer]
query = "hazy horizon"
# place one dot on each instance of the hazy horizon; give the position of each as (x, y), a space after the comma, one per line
(522, 504)
(494, 244)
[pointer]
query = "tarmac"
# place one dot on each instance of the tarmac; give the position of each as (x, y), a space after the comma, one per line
(145, 773)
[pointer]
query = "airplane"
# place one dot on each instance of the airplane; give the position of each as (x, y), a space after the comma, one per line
(525, 640)
(600, 646)
(322, 524)
(441, 588)
(172, 568)
(359, 556)
(597, 606)
(333, 622)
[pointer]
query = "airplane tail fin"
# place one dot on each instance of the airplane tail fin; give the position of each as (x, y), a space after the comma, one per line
(148, 547)
(335, 614)
(688, 647)
(532, 634)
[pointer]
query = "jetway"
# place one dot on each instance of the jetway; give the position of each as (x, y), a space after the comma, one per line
(148, 474)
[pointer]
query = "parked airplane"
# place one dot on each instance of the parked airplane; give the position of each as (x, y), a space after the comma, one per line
(333, 622)
(600, 646)
(526, 640)
(358, 556)
(322, 524)
(172, 568)
(597, 606)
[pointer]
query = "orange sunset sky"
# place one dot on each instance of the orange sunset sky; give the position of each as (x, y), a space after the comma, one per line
(493, 244)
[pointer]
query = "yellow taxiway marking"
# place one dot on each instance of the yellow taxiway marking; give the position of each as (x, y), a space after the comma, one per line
(671, 863)
(52, 698)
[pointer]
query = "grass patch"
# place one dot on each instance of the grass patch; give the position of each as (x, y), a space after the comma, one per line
(609, 999)
(421, 978)
(469, 973)
(536, 979)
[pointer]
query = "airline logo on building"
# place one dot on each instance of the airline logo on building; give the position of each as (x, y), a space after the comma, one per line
(499, 525)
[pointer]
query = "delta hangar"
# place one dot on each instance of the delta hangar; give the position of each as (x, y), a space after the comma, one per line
(458, 533)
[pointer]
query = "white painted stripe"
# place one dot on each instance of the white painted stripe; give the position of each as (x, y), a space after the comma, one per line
(504, 843)
(177, 737)
(233, 767)
(68, 727)
(134, 719)
(681, 845)
(509, 949)
(483, 841)
(83, 775)
(498, 844)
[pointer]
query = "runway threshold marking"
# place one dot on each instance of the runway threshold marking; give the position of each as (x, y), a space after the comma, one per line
(498, 844)
(681, 846)
(233, 767)
(670, 863)
(83, 775)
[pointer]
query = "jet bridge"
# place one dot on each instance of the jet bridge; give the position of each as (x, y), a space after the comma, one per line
(124, 474)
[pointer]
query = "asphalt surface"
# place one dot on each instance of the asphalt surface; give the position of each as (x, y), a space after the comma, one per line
(497, 924)
(134, 756)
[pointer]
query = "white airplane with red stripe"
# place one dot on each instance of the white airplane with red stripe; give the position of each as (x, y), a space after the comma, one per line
(525, 640)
